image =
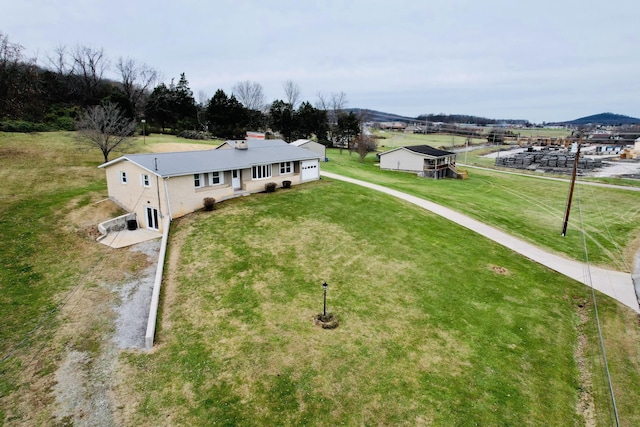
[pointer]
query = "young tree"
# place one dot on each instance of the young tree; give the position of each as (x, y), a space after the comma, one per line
(105, 127)
(365, 144)
(249, 94)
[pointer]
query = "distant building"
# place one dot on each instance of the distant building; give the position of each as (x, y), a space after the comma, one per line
(312, 146)
(422, 159)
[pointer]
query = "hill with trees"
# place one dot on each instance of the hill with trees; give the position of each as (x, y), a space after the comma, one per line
(605, 119)
(57, 95)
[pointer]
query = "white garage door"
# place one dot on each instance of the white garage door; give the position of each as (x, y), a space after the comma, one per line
(309, 169)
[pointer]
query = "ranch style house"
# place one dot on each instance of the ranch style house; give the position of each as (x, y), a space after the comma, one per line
(156, 185)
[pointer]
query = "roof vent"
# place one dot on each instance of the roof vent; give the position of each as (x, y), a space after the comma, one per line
(241, 145)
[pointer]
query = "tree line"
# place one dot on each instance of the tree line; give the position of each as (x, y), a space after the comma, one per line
(463, 118)
(57, 95)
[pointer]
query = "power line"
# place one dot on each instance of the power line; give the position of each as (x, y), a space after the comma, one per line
(595, 308)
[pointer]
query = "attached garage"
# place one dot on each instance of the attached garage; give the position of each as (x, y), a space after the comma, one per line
(309, 170)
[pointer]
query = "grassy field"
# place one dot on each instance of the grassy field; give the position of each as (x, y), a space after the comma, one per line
(391, 139)
(527, 207)
(431, 331)
(51, 264)
(437, 325)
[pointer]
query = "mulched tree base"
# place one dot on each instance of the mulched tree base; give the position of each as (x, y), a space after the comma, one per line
(326, 322)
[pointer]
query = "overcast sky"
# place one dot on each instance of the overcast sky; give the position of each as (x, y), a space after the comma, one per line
(538, 60)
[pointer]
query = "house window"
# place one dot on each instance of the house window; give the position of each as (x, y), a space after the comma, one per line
(285, 168)
(197, 180)
(144, 179)
(216, 178)
(261, 172)
(123, 177)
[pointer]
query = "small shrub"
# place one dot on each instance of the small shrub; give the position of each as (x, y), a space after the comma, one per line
(286, 184)
(270, 187)
(209, 203)
(194, 134)
(23, 126)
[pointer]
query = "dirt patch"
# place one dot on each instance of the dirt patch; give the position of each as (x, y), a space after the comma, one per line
(84, 220)
(585, 406)
(499, 270)
(10, 152)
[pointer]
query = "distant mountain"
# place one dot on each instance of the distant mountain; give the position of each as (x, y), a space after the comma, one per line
(379, 116)
(607, 119)
(465, 118)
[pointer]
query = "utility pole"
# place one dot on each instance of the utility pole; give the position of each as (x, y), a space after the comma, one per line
(573, 183)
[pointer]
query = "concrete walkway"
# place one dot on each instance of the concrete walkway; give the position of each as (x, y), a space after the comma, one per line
(615, 284)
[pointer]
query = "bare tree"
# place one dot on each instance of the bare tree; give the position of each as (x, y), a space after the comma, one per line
(249, 94)
(334, 106)
(59, 61)
(89, 66)
(291, 92)
(137, 80)
(338, 102)
(18, 80)
(105, 127)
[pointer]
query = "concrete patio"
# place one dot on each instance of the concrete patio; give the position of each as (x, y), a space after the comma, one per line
(124, 238)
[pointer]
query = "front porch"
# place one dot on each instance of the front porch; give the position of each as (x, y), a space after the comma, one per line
(439, 167)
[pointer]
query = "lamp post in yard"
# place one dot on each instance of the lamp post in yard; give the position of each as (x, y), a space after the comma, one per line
(144, 133)
(324, 287)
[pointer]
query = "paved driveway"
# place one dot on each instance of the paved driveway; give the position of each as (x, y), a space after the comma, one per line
(616, 284)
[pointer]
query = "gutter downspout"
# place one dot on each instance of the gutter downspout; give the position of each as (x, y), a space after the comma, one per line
(166, 191)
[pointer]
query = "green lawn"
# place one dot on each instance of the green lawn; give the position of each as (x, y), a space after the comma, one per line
(437, 324)
(527, 207)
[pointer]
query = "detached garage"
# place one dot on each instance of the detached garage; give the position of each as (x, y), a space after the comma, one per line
(422, 159)
(312, 146)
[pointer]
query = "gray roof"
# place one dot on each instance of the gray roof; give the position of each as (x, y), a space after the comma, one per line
(255, 142)
(299, 142)
(192, 162)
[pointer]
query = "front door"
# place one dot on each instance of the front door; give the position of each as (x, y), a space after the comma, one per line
(152, 218)
(235, 179)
